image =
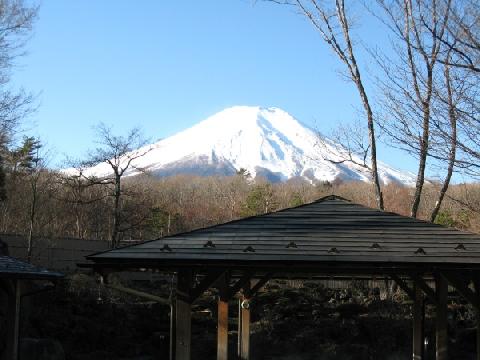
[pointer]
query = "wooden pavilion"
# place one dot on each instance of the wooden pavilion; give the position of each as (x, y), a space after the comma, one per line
(14, 277)
(331, 237)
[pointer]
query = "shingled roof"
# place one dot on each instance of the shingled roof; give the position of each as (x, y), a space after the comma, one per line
(331, 230)
(16, 269)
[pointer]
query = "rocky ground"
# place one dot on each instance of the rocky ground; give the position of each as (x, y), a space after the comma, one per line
(309, 322)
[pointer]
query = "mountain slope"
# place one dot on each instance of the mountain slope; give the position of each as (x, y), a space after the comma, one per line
(266, 141)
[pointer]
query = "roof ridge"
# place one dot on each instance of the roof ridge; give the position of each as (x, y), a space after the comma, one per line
(332, 197)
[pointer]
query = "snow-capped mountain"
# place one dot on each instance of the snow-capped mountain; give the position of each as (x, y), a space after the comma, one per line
(265, 141)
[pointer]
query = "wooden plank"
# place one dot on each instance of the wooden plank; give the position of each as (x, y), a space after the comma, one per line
(418, 323)
(222, 317)
(244, 323)
(183, 323)
(448, 249)
(244, 328)
(309, 242)
(13, 320)
(441, 324)
(183, 330)
(222, 330)
(365, 254)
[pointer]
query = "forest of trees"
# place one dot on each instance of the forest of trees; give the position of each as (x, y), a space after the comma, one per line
(150, 207)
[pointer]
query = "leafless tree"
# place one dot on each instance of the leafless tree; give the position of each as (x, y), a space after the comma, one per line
(348, 142)
(334, 25)
(463, 40)
(418, 28)
(120, 153)
(16, 20)
(34, 175)
(78, 191)
(450, 99)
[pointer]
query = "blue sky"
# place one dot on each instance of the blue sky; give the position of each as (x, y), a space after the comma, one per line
(165, 65)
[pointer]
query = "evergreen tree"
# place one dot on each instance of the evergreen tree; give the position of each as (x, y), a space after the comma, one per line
(260, 200)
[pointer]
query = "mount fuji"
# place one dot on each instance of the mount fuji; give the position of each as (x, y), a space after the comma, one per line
(267, 142)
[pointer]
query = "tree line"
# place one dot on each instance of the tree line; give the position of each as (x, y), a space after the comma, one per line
(151, 207)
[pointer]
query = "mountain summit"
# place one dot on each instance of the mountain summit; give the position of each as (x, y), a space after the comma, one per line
(267, 142)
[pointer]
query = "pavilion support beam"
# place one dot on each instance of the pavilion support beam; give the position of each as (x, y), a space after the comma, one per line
(404, 286)
(418, 323)
(441, 325)
(183, 321)
(461, 285)
(478, 334)
(208, 281)
(244, 324)
(222, 330)
(476, 286)
(243, 282)
(173, 319)
(422, 284)
(259, 285)
(222, 318)
(13, 320)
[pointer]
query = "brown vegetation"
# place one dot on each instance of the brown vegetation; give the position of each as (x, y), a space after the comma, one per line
(152, 207)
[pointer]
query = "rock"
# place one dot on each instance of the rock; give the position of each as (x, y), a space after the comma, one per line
(40, 349)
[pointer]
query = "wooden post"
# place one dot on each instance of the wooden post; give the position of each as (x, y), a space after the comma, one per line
(222, 327)
(244, 324)
(173, 318)
(476, 286)
(418, 314)
(441, 324)
(13, 320)
(478, 334)
(222, 331)
(183, 323)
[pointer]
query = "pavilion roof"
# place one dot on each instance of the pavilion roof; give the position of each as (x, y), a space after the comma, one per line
(329, 231)
(16, 269)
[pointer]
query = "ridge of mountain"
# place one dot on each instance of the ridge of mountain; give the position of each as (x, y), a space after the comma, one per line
(267, 142)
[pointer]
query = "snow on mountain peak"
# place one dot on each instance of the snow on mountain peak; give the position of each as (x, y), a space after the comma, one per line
(266, 141)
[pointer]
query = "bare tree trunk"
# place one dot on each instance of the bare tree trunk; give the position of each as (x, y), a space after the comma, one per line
(327, 23)
(32, 221)
(452, 115)
(357, 78)
(5, 217)
(425, 139)
(420, 26)
(116, 211)
(424, 145)
(372, 140)
(77, 224)
(169, 223)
